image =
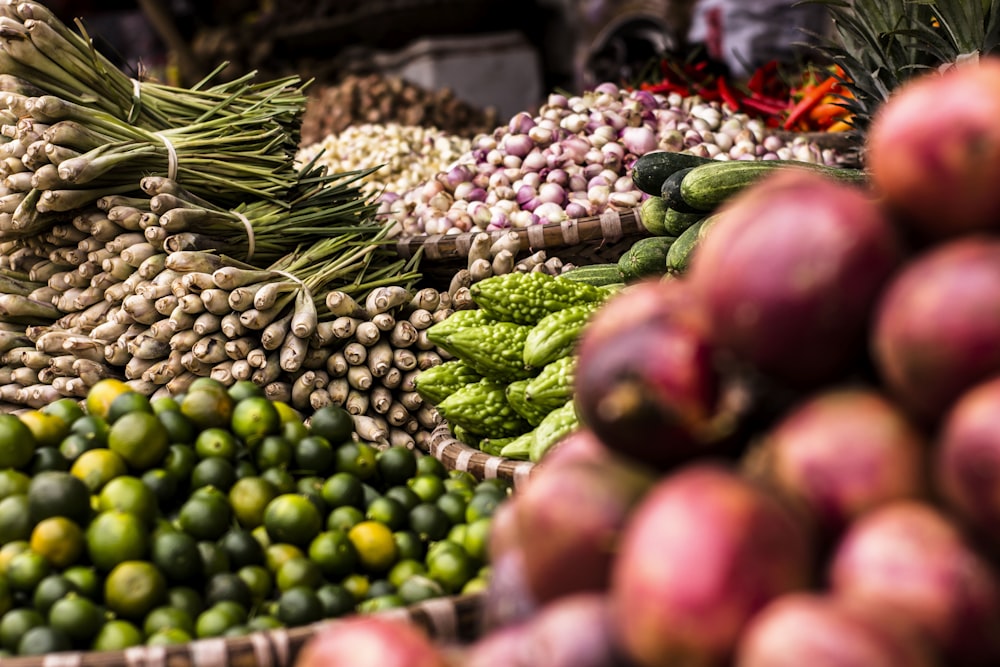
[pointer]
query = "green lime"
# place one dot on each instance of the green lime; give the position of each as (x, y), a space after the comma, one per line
(102, 395)
(186, 599)
(13, 482)
(299, 606)
(249, 497)
(117, 635)
(205, 517)
(15, 623)
(292, 518)
(409, 545)
(133, 588)
(381, 603)
(77, 616)
(357, 458)
(314, 455)
(48, 429)
(43, 640)
(129, 494)
(341, 489)
(214, 471)
(214, 559)
(418, 588)
(246, 468)
(166, 617)
(357, 585)
(162, 404)
(180, 460)
(263, 622)
(15, 519)
(59, 540)
(242, 548)
(169, 637)
(482, 505)
(405, 495)
(51, 588)
(375, 545)
(429, 522)
(495, 486)
(85, 580)
(26, 570)
(67, 409)
(228, 586)
(396, 465)
(179, 428)
(114, 537)
(428, 465)
(96, 467)
(312, 488)
(453, 504)
(17, 442)
(242, 389)
(428, 487)
(332, 422)
(48, 458)
(163, 485)
(253, 418)
(344, 517)
(404, 569)
(282, 480)
(91, 428)
(216, 442)
(458, 533)
(75, 444)
(213, 622)
(276, 555)
(336, 600)
(477, 537)
(258, 579)
(9, 550)
(6, 595)
(387, 511)
(298, 571)
(334, 553)
(125, 403)
(274, 451)
(293, 431)
(176, 554)
(140, 439)
(208, 405)
(451, 568)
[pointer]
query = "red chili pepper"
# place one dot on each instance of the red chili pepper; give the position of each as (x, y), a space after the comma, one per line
(728, 95)
(810, 98)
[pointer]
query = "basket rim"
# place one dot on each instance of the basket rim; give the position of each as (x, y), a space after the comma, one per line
(446, 619)
(610, 226)
(456, 455)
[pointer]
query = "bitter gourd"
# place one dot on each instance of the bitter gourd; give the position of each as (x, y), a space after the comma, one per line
(555, 334)
(520, 447)
(556, 425)
(517, 397)
(457, 320)
(525, 298)
(495, 351)
(482, 409)
(553, 385)
(438, 382)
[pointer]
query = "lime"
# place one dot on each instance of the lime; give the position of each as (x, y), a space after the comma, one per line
(341, 489)
(162, 404)
(117, 635)
(242, 389)
(67, 409)
(73, 445)
(208, 404)
(396, 465)
(293, 431)
(453, 504)
(214, 471)
(344, 517)
(273, 451)
(405, 495)
(140, 439)
(428, 465)
(374, 543)
(180, 460)
(102, 394)
(162, 485)
(418, 588)
(428, 487)
(186, 599)
(332, 422)
(13, 482)
(404, 569)
(47, 458)
(133, 588)
(282, 480)
(6, 595)
(287, 412)
(249, 497)
(253, 418)
(494, 485)
(334, 553)
(48, 429)
(233, 609)
(292, 518)
(212, 623)
(277, 554)
(91, 428)
(258, 579)
(17, 442)
(429, 522)
(299, 606)
(125, 403)
(336, 600)
(77, 616)
(409, 545)
(9, 550)
(312, 488)
(482, 505)
(242, 548)
(179, 428)
(357, 458)
(59, 540)
(477, 536)
(216, 442)
(263, 622)
(169, 637)
(450, 567)
(114, 536)
(43, 640)
(15, 520)
(85, 580)
(166, 617)
(298, 571)
(357, 585)
(96, 467)
(15, 623)
(387, 511)
(51, 588)
(129, 494)
(176, 554)
(228, 586)
(26, 570)
(314, 455)
(205, 517)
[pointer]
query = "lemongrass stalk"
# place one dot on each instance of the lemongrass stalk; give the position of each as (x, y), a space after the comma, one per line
(210, 349)
(223, 373)
(194, 365)
(184, 340)
(393, 378)
(269, 372)
(180, 384)
(216, 301)
(241, 370)
(336, 365)
(404, 359)
(274, 334)
(207, 323)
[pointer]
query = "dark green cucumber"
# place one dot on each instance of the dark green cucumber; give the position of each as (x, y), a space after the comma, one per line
(599, 275)
(671, 192)
(652, 213)
(675, 222)
(645, 258)
(651, 169)
(709, 185)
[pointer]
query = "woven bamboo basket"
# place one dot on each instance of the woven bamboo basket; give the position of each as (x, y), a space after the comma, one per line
(456, 455)
(447, 620)
(595, 240)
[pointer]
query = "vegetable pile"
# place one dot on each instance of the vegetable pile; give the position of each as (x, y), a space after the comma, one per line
(789, 451)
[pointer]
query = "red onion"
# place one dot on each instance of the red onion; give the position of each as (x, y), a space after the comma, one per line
(575, 211)
(704, 551)
(461, 190)
(511, 162)
(551, 192)
(480, 213)
(592, 169)
(534, 161)
(497, 179)
(613, 155)
(790, 273)
(558, 176)
(813, 630)
(607, 88)
(577, 182)
(499, 220)
(639, 140)
(938, 325)
(525, 194)
(549, 212)
(517, 144)
(556, 100)
(521, 122)
(909, 561)
(533, 179)
(624, 184)
(599, 195)
(542, 136)
(495, 157)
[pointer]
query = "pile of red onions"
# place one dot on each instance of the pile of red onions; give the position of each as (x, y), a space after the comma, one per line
(572, 160)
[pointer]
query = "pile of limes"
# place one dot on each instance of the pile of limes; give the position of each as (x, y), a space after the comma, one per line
(217, 513)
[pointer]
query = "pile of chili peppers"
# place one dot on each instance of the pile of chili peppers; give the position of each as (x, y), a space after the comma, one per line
(813, 104)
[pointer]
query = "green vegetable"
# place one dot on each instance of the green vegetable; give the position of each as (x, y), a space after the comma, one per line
(438, 382)
(675, 222)
(520, 447)
(645, 258)
(708, 186)
(525, 298)
(482, 409)
(652, 213)
(556, 425)
(493, 446)
(495, 351)
(517, 397)
(599, 275)
(459, 319)
(651, 169)
(553, 385)
(671, 192)
(555, 334)
(680, 253)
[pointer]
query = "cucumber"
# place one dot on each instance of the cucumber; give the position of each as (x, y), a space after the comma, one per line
(709, 185)
(671, 192)
(679, 255)
(600, 275)
(675, 222)
(652, 213)
(651, 169)
(645, 258)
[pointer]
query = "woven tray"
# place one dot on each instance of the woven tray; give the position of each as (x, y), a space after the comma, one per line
(456, 455)
(447, 620)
